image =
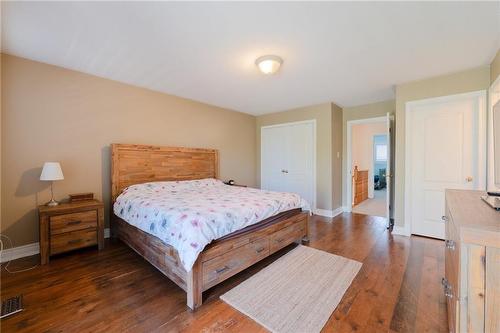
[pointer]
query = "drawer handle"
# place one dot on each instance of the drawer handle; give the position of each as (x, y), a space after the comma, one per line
(73, 222)
(444, 218)
(74, 241)
(220, 270)
(449, 244)
(279, 240)
(260, 250)
(447, 288)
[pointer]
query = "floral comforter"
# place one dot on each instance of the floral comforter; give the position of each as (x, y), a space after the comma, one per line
(188, 215)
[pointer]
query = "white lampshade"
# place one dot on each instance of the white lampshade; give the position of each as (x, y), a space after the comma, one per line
(51, 171)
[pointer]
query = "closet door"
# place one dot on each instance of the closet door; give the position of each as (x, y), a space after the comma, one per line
(300, 156)
(287, 159)
(273, 158)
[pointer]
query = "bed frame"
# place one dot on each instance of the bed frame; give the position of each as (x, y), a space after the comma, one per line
(221, 259)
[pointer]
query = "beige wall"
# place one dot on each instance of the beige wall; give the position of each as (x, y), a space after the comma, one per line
(54, 114)
(462, 82)
(372, 110)
(323, 115)
(495, 67)
(1, 141)
(362, 148)
(337, 155)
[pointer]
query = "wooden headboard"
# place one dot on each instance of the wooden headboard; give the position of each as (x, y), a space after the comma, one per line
(136, 164)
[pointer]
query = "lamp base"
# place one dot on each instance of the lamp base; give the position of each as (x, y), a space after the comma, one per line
(52, 203)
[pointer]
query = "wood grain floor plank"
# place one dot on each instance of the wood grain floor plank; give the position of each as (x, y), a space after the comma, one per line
(115, 290)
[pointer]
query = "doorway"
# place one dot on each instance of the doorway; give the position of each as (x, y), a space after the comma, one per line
(368, 161)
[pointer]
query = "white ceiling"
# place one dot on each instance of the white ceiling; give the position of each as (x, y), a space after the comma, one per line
(347, 52)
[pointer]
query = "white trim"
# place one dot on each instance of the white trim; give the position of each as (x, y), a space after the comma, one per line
(328, 213)
(348, 175)
(310, 121)
(402, 231)
(480, 149)
(28, 250)
(493, 98)
(19, 252)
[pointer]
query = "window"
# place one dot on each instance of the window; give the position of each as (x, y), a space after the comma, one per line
(381, 153)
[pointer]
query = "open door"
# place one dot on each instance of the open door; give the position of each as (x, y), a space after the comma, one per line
(388, 172)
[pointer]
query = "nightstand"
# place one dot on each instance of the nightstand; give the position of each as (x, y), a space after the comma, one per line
(70, 226)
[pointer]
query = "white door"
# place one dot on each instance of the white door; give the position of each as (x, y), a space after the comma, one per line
(443, 154)
(273, 155)
(287, 159)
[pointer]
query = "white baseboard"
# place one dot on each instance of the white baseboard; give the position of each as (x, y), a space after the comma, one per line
(347, 210)
(328, 213)
(19, 252)
(398, 230)
(28, 250)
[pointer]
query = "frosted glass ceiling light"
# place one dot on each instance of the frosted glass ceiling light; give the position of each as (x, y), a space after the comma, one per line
(269, 64)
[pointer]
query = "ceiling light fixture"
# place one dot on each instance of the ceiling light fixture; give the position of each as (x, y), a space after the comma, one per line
(269, 64)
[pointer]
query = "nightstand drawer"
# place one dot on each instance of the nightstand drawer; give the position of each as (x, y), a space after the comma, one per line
(72, 240)
(71, 222)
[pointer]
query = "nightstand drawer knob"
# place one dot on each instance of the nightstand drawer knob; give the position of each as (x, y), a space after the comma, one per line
(74, 241)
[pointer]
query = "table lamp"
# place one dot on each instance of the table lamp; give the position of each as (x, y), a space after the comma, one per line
(51, 171)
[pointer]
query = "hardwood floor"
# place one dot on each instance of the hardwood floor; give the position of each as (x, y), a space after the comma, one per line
(398, 288)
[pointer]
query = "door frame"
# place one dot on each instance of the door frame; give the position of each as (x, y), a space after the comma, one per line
(481, 149)
(348, 170)
(309, 121)
(493, 98)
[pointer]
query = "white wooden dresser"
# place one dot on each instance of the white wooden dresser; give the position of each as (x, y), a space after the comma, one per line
(472, 263)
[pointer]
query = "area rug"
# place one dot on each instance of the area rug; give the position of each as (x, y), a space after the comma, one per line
(296, 293)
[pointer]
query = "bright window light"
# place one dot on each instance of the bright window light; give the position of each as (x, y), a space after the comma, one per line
(381, 153)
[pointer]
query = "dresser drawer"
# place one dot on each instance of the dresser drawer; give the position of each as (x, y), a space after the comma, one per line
(285, 236)
(71, 222)
(72, 240)
(224, 266)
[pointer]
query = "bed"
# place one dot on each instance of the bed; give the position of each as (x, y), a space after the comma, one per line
(142, 172)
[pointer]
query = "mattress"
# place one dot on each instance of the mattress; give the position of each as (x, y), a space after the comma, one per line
(189, 215)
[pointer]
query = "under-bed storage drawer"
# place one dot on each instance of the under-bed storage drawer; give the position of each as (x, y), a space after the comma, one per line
(226, 265)
(287, 235)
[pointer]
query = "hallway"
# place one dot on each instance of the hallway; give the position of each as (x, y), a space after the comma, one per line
(375, 206)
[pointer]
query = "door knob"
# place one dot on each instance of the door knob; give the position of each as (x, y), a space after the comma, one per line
(468, 179)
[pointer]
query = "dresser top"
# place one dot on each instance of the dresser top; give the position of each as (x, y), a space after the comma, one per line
(477, 222)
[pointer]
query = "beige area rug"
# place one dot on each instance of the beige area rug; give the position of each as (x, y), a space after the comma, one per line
(296, 293)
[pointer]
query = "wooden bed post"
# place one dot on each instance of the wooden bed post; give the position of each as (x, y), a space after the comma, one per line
(194, 286)
(305, 239)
